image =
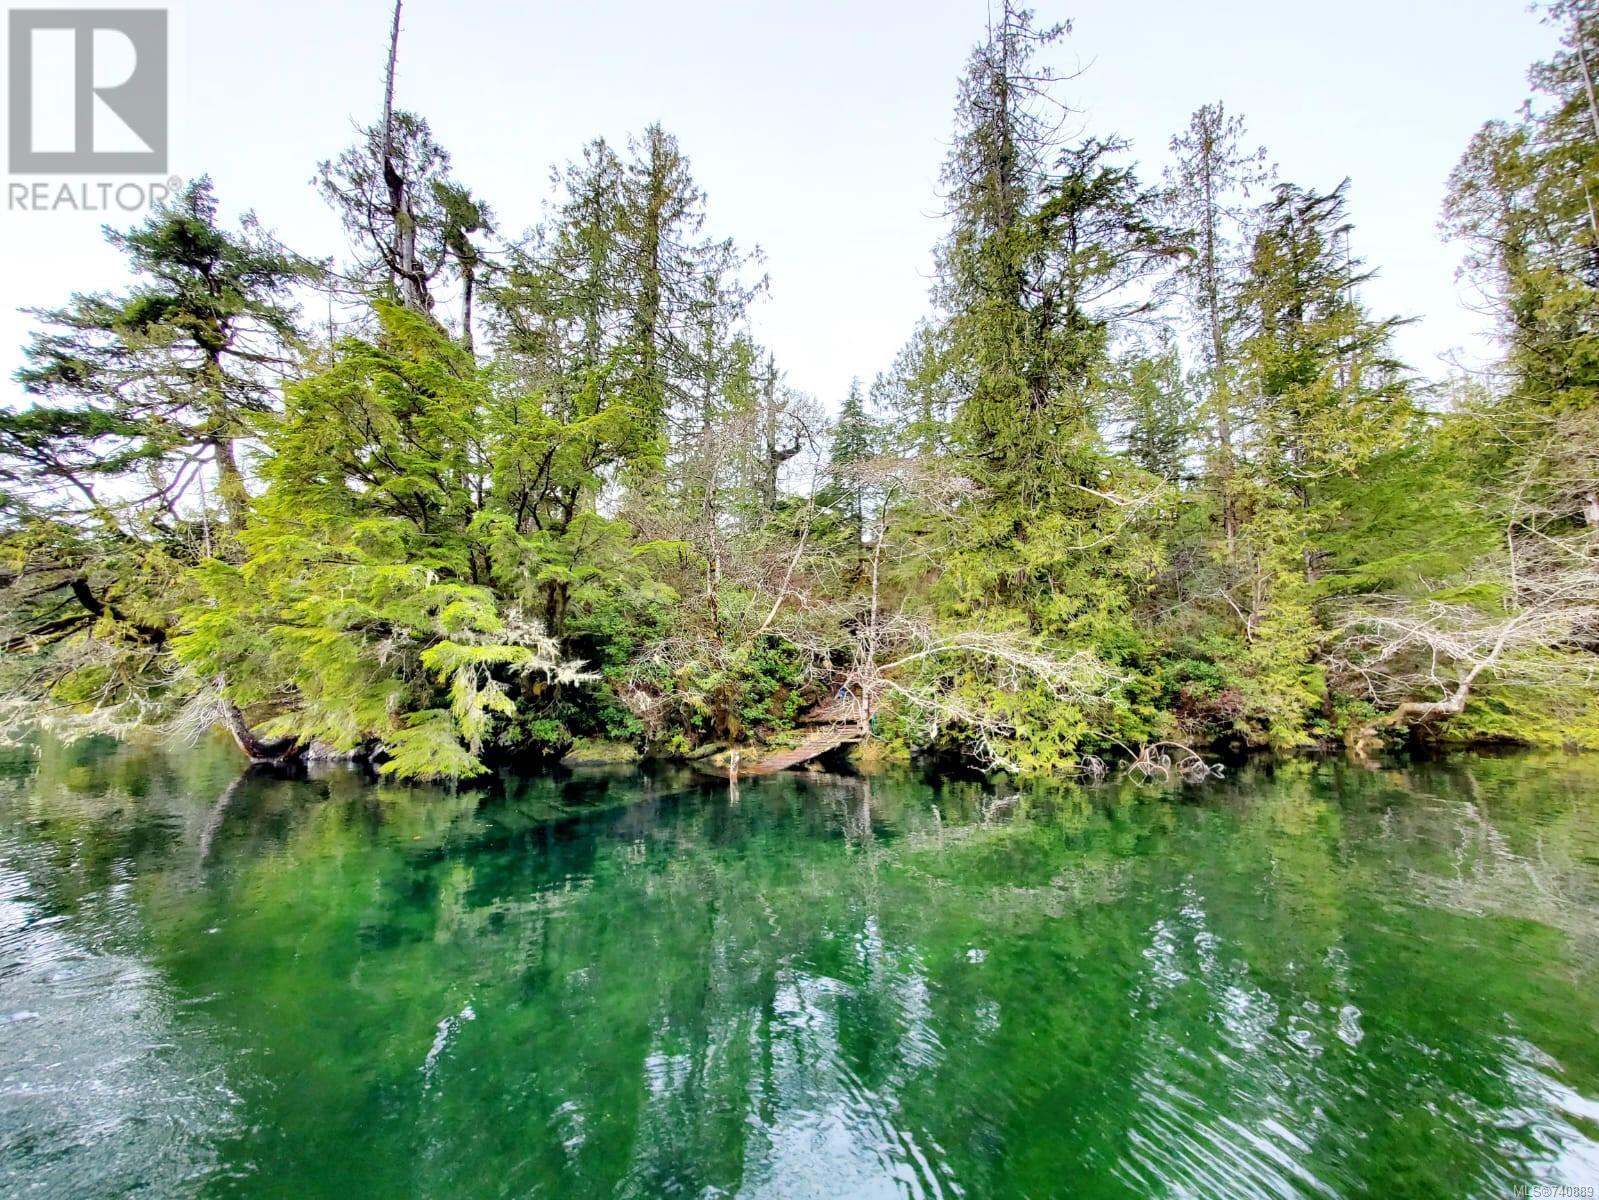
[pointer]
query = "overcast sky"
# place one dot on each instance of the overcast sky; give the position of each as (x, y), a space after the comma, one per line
(817, 127)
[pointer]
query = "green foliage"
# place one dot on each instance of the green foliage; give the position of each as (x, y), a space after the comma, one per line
(366, 593)
(175, 371)
(1518, 714)
(1153, 401)
(1071, 519)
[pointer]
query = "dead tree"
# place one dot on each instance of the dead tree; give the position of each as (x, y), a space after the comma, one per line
(1421, 660)
(411, 279)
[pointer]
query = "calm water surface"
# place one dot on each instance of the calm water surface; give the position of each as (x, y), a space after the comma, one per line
(1312, 981)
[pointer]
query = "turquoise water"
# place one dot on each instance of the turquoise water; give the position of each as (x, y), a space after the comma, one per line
(1317, 980)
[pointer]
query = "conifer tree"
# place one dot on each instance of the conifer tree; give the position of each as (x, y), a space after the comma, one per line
(1153, 399)
(1053, 248)
(389, 599)
(128, 467)
(391, 191)
(598, 508)
(1212, 177)
(918, 393)
(1323, 397)
(156, 388)
(854, 438)
(1525, 201)
(1325, 392)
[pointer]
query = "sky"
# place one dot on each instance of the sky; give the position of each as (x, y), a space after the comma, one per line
(817, 128)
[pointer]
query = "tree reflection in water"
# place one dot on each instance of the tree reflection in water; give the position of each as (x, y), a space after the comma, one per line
(1313, 979)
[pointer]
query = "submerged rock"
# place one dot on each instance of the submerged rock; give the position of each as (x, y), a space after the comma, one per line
(595, 753)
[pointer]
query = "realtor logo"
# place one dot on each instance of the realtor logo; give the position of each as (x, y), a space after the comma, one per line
(88, 91)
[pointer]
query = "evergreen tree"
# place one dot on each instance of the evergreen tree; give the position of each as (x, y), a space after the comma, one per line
(597, 507)
(855, 437)
(1325, 398)
(919, 393)
(164, 381)
(1213, 174)
(1051, 250)
(668, 263)
(1525, 200)
(1154, 402)
(128, 468)
(1326, 393)
(390, 192)
(390, 600)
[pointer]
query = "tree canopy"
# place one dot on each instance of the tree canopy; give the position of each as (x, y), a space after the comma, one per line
(1149, 472)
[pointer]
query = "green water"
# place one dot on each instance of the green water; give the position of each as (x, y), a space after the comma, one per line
(1313, 981)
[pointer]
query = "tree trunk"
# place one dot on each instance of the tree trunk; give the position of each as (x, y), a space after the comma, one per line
(412, 284)
(258, 749)
(774, 455)
(653, 390)
(1415, 712)
(1578, 36)
(713, 580)
(1218, 351)
(230, 482)
(151, 635)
